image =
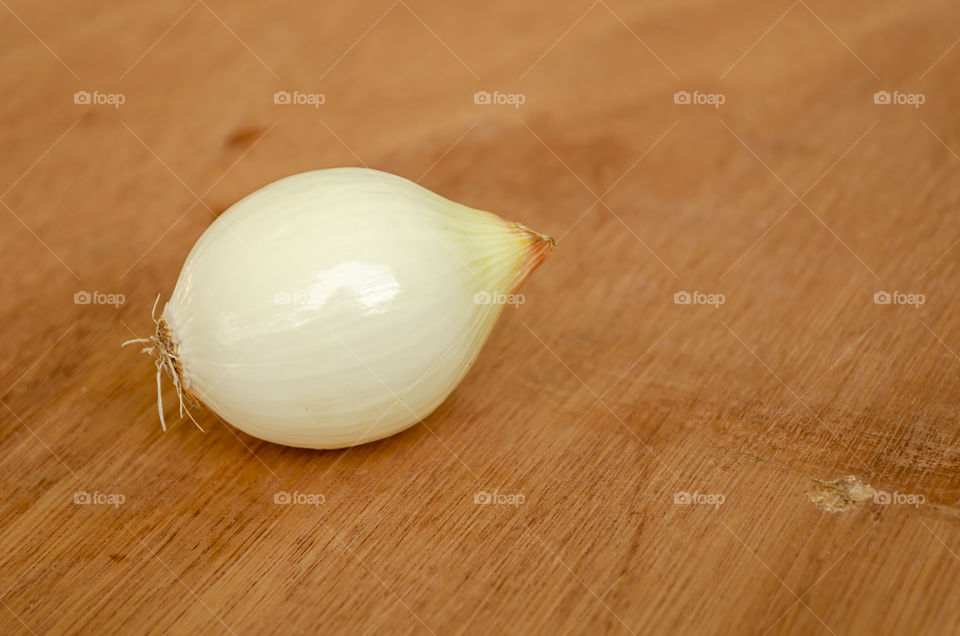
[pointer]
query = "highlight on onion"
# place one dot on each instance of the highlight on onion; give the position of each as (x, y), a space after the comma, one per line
(337, 307)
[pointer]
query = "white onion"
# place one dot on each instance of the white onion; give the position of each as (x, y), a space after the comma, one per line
(336, 307)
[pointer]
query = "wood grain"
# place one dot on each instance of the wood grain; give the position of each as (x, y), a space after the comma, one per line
(600, 400)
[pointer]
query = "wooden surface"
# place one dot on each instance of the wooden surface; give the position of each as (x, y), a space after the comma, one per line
(600, 400)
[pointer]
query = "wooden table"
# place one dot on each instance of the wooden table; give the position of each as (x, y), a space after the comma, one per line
(682, 467)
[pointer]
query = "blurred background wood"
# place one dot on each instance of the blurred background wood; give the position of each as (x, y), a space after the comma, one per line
(600, 400)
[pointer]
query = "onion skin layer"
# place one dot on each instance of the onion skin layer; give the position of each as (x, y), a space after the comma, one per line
(341, 306)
